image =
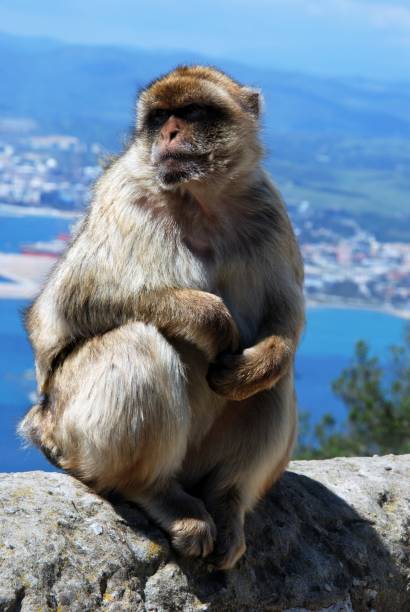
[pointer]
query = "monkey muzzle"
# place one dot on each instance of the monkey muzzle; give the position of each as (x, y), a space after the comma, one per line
(177, 166)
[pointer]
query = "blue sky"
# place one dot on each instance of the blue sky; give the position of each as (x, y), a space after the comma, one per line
(355, 37)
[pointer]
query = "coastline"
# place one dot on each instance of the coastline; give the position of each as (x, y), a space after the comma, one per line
(15, 210)
(349, 305)
(23, 273)
(27, 272)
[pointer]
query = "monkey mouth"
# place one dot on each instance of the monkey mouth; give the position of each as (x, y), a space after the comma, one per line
(173, 157)
(177, 167)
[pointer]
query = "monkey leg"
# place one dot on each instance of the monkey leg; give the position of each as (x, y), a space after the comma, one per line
(117, 411)
(244, 453)
(118, 417)
(226, 508)
(184, 517)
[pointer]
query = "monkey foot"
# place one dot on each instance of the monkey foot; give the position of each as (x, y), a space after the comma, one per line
(228, 551)
(193, 537)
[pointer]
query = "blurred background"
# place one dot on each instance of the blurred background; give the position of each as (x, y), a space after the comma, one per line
(336, 79)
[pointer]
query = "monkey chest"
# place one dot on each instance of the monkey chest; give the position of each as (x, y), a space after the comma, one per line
(243, 290)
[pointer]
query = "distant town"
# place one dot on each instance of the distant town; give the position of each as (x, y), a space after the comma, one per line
(344, 263)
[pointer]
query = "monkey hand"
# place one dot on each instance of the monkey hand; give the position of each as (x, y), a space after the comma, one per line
(256, 369)
(218, 328)
(197, 316)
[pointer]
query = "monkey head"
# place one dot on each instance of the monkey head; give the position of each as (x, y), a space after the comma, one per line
(197, 124)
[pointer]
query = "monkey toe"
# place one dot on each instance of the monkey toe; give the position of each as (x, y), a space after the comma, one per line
(193, 537)
(230, 544)
(228, 552)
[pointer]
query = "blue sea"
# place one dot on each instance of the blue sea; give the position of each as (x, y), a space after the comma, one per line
(326, 348)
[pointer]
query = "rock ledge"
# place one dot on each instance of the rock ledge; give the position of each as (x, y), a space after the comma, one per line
(332, 535)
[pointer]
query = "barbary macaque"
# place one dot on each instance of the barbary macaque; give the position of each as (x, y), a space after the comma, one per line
(165, 336)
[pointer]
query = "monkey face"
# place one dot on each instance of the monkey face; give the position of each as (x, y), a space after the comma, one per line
(197, 124)
(182, 141)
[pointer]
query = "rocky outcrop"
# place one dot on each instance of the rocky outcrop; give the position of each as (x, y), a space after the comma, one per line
(332, 535)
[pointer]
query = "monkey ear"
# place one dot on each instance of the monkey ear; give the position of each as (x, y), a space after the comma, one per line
(252, 101)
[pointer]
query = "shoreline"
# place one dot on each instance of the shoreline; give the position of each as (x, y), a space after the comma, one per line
(15, 210)
(333, 305)
(26, 290)
(25, 286)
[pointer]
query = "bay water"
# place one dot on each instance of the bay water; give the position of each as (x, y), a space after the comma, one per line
(327, 346)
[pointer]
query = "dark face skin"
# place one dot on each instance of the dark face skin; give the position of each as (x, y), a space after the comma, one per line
(185, 142)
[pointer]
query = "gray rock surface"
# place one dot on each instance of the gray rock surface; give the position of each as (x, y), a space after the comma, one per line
(332, 535)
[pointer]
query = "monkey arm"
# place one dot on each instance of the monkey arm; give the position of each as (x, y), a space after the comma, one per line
(196, 316)
(192, 315)
(261, 366)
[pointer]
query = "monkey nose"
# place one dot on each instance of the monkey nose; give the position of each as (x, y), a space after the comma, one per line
(172, 134)
(168, 136)
(170, 130)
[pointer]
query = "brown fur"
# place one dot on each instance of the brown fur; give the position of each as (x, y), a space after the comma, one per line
(282, 465)
(240, 376)
(165, 336)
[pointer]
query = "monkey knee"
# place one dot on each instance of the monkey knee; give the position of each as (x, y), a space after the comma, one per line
(132, 367)
(128, 416)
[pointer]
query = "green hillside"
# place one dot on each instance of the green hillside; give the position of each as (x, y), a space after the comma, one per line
(338, 143)
(359, 175)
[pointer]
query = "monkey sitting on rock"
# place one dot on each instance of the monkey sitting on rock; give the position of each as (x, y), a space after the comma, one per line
(165, 336)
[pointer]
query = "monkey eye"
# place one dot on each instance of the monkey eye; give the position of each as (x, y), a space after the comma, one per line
(157, 117)
(192, 112)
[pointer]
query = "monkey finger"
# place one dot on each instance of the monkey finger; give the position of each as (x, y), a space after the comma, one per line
(222, 380)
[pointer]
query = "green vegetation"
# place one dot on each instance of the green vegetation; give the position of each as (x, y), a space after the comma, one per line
(340, 143)
(378, 409)
(350, 174)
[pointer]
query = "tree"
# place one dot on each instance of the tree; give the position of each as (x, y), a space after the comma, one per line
(377, 399)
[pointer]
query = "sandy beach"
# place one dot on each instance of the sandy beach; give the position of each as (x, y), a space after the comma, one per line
(13, 210)
(23, 273)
